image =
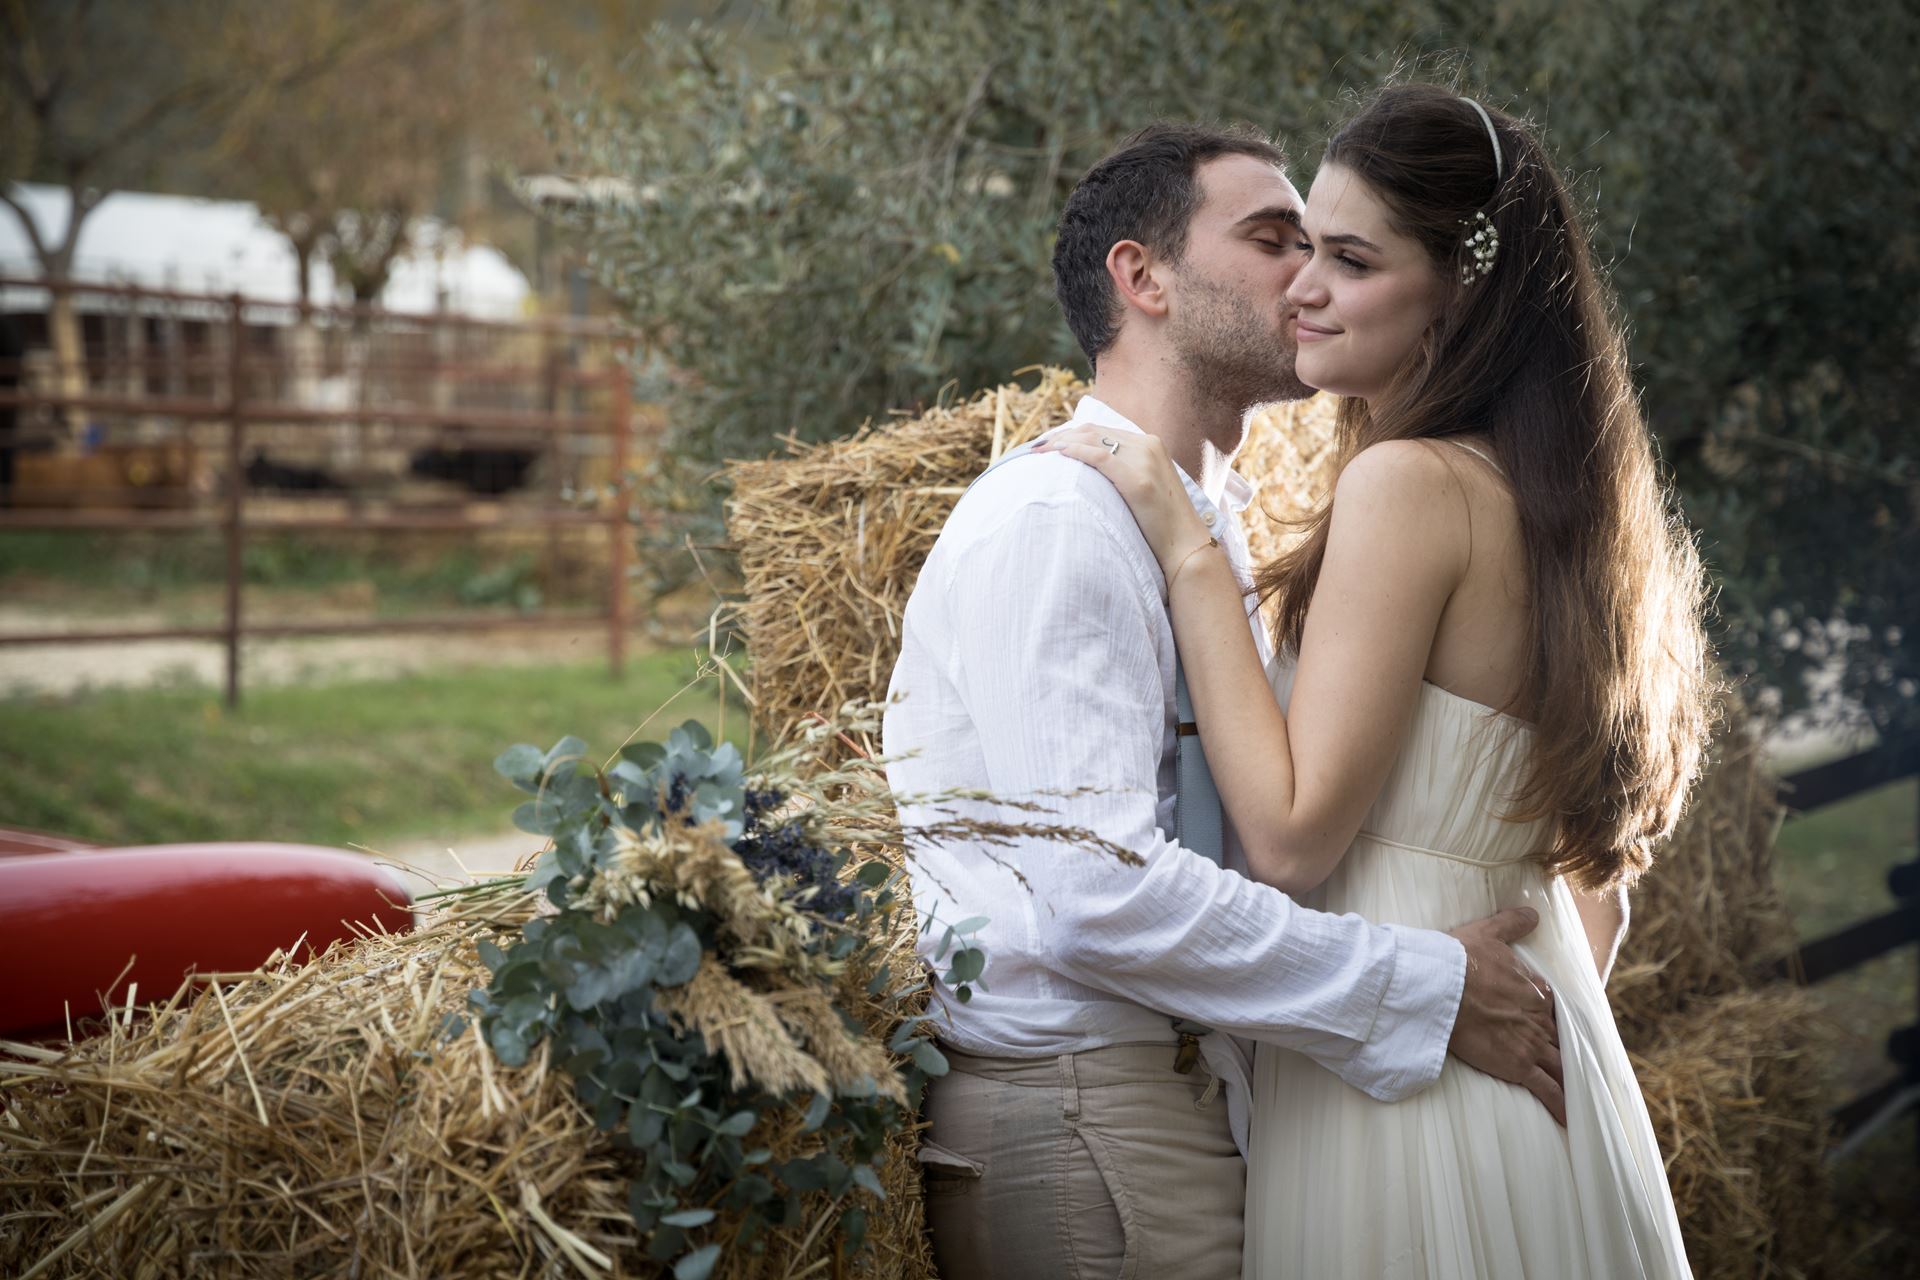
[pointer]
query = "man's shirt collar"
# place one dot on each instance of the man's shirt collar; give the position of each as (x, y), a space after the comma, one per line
(1092, 411)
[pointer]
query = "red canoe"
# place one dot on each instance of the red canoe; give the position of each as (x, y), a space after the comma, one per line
(71, 920)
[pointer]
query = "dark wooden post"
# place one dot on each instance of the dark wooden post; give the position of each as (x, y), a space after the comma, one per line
(620, 395)
(236, 489)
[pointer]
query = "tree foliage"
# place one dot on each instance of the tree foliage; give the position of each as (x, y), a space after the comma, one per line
(850, 209)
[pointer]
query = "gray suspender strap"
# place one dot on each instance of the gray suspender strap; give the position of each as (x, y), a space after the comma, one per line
(1196, 801)
(1197, 822)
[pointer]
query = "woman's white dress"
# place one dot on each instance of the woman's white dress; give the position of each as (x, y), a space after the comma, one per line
(1470, 1179)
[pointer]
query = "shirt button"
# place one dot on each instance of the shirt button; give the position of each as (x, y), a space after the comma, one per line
(1210, 519)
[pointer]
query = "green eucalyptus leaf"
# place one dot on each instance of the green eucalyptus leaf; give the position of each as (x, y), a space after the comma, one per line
(697, 1265)
(804, 1174)
(520, 764)
(739, 1124)
(682, 957)
(644, 1215)
(490, 954)
(689, 1218)
(589, 987)
(509, 1044)
(816, 1112)
(968, 964)
(536, 818)
(690, 737)
(928, 1058)
(563, 753)
(665, 1243)
(644, 756)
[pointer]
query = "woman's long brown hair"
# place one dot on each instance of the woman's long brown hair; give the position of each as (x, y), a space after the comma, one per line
(1529, 357)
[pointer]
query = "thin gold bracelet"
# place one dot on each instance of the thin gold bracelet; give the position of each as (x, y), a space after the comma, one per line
(1210, 542)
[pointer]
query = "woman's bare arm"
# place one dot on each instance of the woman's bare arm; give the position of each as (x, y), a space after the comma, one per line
(1297, 785)
(1604, 917)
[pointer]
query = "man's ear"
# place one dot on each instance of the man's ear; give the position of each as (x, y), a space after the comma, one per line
(1136, 276)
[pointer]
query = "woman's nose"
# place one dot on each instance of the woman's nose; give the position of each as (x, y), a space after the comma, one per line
(1306, 290)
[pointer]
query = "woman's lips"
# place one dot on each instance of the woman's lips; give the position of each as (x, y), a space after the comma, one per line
(1306, 332)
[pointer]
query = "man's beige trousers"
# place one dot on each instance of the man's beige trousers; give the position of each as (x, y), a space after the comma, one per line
(1087, 1166)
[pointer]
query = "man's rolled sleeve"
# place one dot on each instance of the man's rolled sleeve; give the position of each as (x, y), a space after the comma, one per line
(1409, 1044)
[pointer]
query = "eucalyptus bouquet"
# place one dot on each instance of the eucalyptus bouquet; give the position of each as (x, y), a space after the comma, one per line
(711, 968)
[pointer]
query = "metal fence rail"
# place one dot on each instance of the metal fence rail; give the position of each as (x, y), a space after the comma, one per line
(1854, 945)
(191, 384)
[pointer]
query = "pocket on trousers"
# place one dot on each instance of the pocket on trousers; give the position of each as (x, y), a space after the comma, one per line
(1102, 1238)
(947, 1172)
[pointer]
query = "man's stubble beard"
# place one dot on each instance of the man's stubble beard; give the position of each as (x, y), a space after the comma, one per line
(1232, 356)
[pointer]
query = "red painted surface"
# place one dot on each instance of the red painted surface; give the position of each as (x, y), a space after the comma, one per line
(71, 920)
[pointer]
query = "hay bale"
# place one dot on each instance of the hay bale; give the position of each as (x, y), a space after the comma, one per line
(1707, 918)
(832, 538)
(1289, 457)
(304, 1121)
(1736, 1101)
(311, 1121)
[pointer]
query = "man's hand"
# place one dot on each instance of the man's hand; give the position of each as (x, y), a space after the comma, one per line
(1506, 1025)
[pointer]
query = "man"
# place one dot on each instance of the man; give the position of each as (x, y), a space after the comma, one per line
(1071, 1136)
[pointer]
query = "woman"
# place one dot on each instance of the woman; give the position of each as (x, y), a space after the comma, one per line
(1491, 691)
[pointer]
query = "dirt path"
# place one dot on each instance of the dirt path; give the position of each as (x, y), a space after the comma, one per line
(424, 865)
(66, 668)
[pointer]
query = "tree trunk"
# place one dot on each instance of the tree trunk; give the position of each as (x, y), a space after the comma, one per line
(69, 366)
(63, 320)
(306, 336)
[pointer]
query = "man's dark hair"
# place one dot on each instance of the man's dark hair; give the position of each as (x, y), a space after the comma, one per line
(1145, 191)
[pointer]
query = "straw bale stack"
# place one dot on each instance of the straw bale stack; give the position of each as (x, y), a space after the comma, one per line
(832, 538)
(312, 1121)
(1737, 1104)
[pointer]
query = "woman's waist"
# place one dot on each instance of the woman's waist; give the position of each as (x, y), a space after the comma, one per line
(1499, 848)
(1429, 887)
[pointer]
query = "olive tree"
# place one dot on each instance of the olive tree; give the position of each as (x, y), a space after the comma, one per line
(840, 208)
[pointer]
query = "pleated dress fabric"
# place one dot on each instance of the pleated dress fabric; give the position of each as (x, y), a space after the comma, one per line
(1470, 1179)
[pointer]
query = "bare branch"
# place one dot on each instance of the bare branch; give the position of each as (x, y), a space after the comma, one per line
(32, 228)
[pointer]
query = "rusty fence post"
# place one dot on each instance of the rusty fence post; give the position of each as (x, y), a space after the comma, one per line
(236, 490)
(620, 392)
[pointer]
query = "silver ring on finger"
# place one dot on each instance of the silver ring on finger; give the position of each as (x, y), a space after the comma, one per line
(1113, 446)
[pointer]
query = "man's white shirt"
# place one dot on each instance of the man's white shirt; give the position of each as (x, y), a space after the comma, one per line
(1037, 657)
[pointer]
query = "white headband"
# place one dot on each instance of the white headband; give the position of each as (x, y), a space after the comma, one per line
(1499, 165)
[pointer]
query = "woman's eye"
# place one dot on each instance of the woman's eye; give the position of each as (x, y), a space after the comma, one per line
(1304, 246)
(1352, 264)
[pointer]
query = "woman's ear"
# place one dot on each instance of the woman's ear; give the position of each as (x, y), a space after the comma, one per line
(1136, 278)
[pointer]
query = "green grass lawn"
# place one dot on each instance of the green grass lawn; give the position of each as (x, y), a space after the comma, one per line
(182, 575)
(328, 764)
